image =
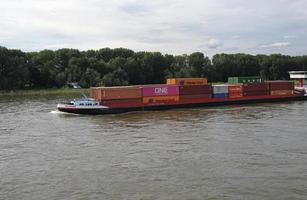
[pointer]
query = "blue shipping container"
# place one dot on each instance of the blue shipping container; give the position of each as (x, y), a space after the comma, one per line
(223, 95)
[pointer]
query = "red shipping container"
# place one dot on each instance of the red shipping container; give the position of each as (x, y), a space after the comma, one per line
(256, 93)
(123, 103)
(281, 85)
(199, 96)
(238, 88)
(235, 95)
(195, 89)
(252, 87)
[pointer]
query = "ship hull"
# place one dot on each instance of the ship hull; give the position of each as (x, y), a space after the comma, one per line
(191, 103)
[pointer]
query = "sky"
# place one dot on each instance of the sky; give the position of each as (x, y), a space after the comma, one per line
(168, 26)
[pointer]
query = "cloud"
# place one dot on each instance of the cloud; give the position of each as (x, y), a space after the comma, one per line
(276, 45)
(213, 44)
(173, 26)
(286, 37)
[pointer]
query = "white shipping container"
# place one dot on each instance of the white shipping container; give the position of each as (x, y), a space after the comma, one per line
(220, 89)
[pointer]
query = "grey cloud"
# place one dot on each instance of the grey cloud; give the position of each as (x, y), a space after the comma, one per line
(276, 45)
(134, 8)
(173, 26)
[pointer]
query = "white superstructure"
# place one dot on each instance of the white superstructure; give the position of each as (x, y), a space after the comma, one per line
(301, 76)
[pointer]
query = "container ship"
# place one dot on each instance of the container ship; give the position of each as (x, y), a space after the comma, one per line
(183, 93)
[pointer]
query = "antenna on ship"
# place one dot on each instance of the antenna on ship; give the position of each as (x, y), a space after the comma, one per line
(84, 95)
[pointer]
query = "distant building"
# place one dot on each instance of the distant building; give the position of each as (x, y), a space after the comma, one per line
(74, 85)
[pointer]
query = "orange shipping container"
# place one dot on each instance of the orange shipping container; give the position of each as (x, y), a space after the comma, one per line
(124, 92)
(94, 93)
(138, 100)
(281, 92)
(187, 81)
(160, 99)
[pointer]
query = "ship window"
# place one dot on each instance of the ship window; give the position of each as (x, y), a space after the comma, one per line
(81, 104)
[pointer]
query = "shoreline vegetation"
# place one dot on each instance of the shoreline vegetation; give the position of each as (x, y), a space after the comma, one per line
(121, 66)
(43, 92)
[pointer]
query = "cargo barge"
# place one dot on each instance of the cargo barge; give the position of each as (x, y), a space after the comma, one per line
(183, 93)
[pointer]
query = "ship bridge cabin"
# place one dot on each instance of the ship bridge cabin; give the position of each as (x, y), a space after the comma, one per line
(300, 76)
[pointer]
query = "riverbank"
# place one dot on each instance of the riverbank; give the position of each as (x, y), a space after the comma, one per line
(41, 92)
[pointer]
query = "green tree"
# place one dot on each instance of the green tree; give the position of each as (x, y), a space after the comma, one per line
(91, 78)
(199, 63)
(116, 78)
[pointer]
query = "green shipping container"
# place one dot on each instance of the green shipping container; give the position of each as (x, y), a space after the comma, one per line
(248, 79)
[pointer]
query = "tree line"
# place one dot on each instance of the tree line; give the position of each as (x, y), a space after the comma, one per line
(120, 66)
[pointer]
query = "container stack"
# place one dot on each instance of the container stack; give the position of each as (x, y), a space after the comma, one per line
(247, 86)
(220, 91)
(256, 89)
(192, 88)
(128, 96)
(281, 87)
(195, 91)
(160, 94)
(235, 91)
(188, 90)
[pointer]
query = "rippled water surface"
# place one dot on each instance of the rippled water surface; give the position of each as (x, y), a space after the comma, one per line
(234, 152)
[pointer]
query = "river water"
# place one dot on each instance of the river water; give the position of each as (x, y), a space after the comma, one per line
(233, 152)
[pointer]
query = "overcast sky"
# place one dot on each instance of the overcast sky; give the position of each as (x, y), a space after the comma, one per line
(168, 26)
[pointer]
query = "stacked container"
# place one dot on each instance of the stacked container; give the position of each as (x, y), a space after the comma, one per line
(160, 94)
(195, 91)
(247, 79)
(110, 93)
(220, 91)
(126, 96)
(281, 87)
(235, 91)
(256, 89)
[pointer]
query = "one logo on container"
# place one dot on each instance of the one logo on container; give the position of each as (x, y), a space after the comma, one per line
(161, 90)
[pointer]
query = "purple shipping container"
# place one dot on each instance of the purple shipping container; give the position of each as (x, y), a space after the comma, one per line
(160, 90)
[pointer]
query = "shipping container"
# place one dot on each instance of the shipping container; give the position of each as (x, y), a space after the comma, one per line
(251, 87)
(235, 95)
(187, 81)
(160, 99)
(238, 88)
(94, 93)
(121, 100)
(221, 95)
(196, 96)
(123, 92)
(195, 89)
(248, 79)
(160, 90)
(117, 103)
(256, 93)
(220, 89)
(281, 92)
(281, 85)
